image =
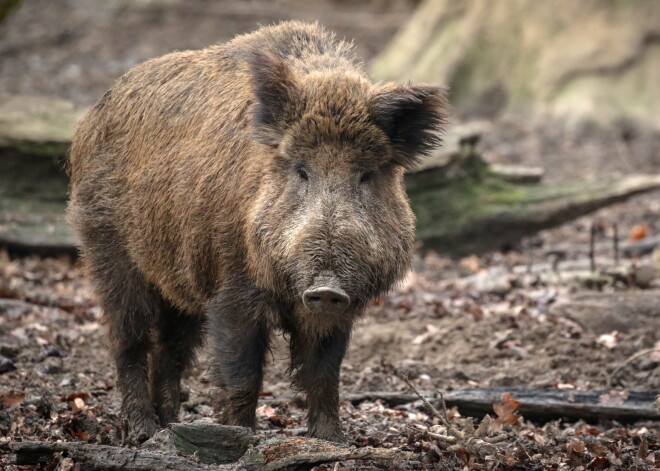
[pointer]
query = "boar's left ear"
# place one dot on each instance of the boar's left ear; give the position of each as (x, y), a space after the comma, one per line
(412, 117)
(277, 94)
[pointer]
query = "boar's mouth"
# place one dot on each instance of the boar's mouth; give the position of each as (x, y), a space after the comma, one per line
(325, 295)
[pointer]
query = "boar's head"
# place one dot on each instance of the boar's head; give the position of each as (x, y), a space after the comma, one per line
(330, 226)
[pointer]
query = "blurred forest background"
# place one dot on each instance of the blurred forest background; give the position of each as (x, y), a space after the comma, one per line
(538, 225)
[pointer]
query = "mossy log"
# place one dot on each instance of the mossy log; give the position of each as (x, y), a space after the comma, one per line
(463, 205)
(480, 211)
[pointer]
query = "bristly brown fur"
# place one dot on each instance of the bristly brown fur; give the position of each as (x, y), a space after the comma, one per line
(217, 185)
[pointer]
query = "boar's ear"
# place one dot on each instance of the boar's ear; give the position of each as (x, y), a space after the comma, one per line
(277, 95)
(412, 117)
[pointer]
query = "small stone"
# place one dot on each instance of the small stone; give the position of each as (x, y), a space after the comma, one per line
(6, 365)
(88, 424)
(50, 367)
(66, 382)
(52, 351)
(10, 351)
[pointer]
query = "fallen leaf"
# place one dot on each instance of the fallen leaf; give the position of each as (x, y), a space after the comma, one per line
(71, 397)
(266, 411)
(471, 263)
(506, 410)
(599, 462)
(82, 435)
(575, 449)
(639, 232)
(609, 340)
(13, 399)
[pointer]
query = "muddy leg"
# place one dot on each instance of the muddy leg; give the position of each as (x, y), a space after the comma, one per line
(132, 379)
(317, 363)
(130, 306)
(179, 335)
(240, 337)
(130, 310)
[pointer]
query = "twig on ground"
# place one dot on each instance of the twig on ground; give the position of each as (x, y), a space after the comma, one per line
(441, 416)
(615, 238)
(451, 438)
(592, 248)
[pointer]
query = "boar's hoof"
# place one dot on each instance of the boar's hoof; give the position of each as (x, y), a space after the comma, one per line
(323, 299)
(143, 430)
(332, 435)
(326, 428)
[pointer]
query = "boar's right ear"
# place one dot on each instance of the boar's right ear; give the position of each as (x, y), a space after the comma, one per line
(277, 95)
(412, 117)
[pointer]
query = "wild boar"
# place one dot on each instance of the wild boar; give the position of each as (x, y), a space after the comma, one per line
(239, 189)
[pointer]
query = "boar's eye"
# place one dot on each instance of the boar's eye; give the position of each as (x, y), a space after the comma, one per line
(366, 177)
(302, 174)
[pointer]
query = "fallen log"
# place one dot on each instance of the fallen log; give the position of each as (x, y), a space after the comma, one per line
(535, 404)
(305, 453)
(553, 404)
(463, 204)
(210, 446)
(102, 457)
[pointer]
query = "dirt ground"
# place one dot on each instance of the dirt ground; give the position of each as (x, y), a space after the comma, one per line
(437, 329)
(57, 381)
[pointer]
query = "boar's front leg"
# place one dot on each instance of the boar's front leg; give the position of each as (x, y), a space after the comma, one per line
(240, 337)
(317, 362)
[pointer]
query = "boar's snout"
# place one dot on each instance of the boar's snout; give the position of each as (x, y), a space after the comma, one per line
(324, 299)
(325, 296)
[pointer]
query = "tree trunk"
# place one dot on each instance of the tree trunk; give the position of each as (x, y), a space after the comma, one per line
(595, 58)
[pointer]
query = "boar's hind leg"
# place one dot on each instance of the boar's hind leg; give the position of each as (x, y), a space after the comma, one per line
(177, 337)
(130, 306)
(240, 336)
(317, 363)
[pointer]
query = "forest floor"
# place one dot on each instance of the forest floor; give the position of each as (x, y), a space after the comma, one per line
(441, 328)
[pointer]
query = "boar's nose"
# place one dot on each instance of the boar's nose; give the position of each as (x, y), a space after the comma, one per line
(323, 299)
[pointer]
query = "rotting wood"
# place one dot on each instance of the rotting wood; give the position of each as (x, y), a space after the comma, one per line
(212, 443)
(553, 404)
(102, 457)
(249, 452)
(535, 404)
(304, 453)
